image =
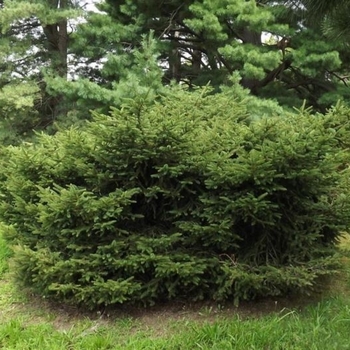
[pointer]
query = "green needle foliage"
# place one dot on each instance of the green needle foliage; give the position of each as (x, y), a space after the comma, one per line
(184, 198)
(59, 61)
(277, 47)
(34, 38)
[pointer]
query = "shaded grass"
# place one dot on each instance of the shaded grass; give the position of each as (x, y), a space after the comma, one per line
(325, 326)
(32, 323)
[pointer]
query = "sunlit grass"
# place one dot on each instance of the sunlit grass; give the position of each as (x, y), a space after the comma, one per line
(27, 323)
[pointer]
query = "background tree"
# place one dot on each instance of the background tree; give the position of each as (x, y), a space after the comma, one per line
(277, 51)
(35, 39)
(333, 14)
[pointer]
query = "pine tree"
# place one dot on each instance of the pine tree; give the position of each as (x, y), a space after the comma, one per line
(332, 14)
(34, 40)
(277, 51)
(129, 74)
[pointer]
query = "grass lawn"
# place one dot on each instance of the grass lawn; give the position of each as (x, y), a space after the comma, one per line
(318, 322)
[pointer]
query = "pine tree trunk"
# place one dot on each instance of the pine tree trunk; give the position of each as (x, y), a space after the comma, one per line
(175, 61)
(196, 61)
(57, 45)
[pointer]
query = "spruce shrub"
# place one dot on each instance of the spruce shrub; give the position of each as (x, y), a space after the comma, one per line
(182, 199)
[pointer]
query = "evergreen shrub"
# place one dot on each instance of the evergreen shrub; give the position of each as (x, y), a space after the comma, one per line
(182, 199)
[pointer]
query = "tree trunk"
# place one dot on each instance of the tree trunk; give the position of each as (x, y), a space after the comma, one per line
(175, 61)
(196, 61)
(57, 45)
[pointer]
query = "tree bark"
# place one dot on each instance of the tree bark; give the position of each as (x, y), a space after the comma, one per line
(57, 45)
(175, 60)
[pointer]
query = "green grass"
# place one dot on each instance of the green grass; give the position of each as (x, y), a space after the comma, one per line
(29, 323)
(325, 326)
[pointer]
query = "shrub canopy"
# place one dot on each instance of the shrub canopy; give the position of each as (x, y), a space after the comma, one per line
(185, 198)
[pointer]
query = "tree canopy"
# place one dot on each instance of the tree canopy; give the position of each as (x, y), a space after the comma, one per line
(60, 60)
(276, 47)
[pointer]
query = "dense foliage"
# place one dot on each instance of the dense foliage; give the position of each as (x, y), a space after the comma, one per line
(185, 198)
(34, 42)
(279, 48)
(59, 60)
